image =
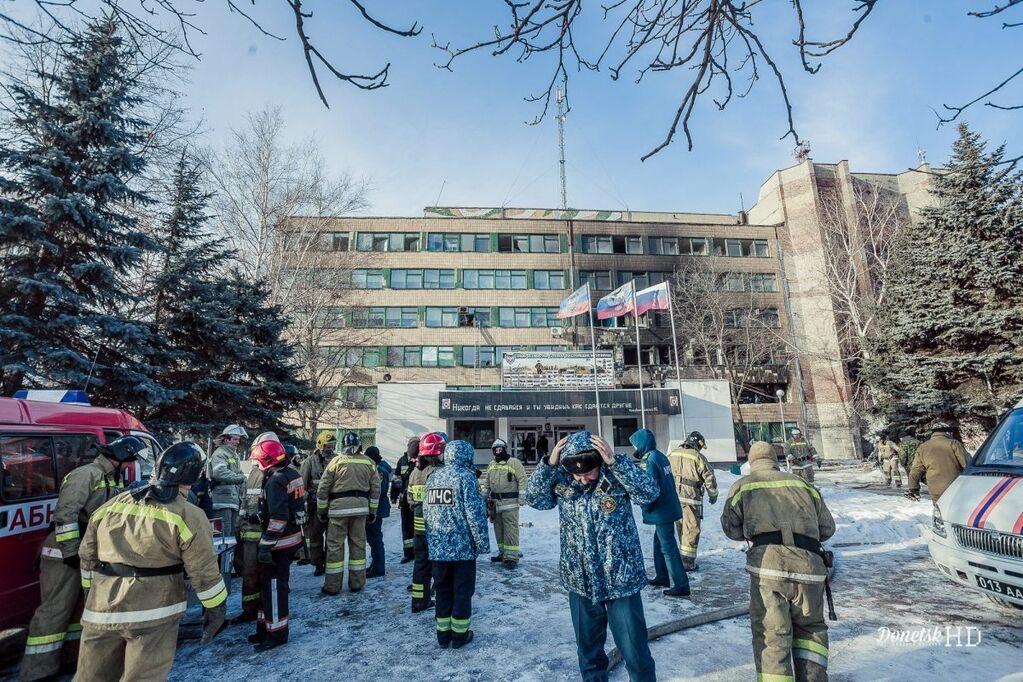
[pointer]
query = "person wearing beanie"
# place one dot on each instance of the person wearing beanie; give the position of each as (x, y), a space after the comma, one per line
(375, 528)
(785, 519)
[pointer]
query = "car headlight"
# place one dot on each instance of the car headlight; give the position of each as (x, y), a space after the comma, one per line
(938, 523)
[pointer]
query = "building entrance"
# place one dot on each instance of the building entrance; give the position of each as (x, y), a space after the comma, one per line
(533, 441)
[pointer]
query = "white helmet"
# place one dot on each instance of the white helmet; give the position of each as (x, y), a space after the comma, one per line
(233, 430)
(266, 435)
(499, 443)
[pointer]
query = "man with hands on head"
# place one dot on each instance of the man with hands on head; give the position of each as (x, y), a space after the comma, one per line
(601, 558)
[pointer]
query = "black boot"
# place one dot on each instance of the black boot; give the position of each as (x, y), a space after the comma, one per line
(257, 638)
(676, 592)
(497, 558)
(657, 583)
(458, 643)
(268, 644)
(320, 570)
(419, 608)
(407, 559)
(243, 618)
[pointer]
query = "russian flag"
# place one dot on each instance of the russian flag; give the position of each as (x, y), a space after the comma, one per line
(652, 298)
(617, 303)
(576, 303)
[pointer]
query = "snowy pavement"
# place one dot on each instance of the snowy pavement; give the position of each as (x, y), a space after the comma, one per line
(884, 579)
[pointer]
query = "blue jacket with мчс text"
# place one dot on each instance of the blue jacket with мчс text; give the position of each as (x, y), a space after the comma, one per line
(601, 557)
(666, 508)
(453, 508)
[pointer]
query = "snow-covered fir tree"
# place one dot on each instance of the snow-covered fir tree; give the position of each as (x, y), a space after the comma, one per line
(951, 337)
(69, 239)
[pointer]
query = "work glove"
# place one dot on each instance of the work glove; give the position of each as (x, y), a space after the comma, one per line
(265, 555)
(73, 561)
(713, 499)
(213, 621)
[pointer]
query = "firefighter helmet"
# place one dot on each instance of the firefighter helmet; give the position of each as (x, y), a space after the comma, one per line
(352, 440)
(696, 441)
(324, 439)
(268, 454)
(233, 431)
(123, 449)
(432, 444)
(180, 464)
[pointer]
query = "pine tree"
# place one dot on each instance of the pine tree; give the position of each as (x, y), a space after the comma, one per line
(952, 333)
(69, 242)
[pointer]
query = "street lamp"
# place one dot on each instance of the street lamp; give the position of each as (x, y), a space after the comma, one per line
(780, 393)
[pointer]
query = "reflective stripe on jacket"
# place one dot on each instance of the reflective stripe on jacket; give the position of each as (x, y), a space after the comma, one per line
(354, 473)
(504, 478)
(226, 478)
(693, 474)
(249, 528)
(82, 492)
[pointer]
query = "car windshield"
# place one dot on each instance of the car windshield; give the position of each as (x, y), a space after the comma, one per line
(1005, 447)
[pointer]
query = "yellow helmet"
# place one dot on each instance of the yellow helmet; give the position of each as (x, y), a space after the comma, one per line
(324, 438)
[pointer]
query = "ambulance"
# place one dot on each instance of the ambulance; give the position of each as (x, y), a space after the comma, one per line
(43, 436)
(977, 530)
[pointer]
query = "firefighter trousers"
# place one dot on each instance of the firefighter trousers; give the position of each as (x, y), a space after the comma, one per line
(454, 583)
(407, 531)
(506, 530)
(341, 531)
(803, 469)
(246, 564)
(315, 533)
(890, 467)
(274, 588)
(689, 532)
(790, 637)
(54, 625)
(422, 572)
(139, 654)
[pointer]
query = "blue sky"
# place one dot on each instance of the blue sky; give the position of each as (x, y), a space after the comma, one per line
(871, 103)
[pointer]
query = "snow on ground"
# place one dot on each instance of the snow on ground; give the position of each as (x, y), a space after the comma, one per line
(523, 630)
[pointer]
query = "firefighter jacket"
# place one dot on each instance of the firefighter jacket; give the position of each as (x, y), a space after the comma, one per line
(350, 486)
(312, 471)
(504, 483)
(799, 453)
(384, 506)
(666, 508)
(249, 527)
(693, 475)
(399, 482)
(888, 450)
(453, 509)
(417, 488)
(126, 533)
(601, 557)
(769, 500)
(226, 478)
(282, 509)
(942, 459)
(83, 491)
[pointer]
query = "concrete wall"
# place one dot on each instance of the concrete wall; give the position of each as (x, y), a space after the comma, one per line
(403, 411)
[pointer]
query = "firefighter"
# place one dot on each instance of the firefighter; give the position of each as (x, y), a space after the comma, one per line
(84, 489)
(135, 553)
(889, 454)
(503, 486)
(662, 513)
(693, 474)
(799, 456)
(346, 500)
(785, 519)
(375, 529)
(281, 514)
(601, 557)
(226, 479)
(246, 553)
(431, 452)
(399, 485)
(456, 533)
(312, 470)
(941, 458)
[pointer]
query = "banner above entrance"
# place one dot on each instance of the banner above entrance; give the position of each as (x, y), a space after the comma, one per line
(543, 404)
(563, 369)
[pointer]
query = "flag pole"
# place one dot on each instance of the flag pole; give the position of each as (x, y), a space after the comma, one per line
(639, 359)
(674, 348)
(593, 347)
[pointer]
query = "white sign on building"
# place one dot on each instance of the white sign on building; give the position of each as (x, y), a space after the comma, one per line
(566, 369)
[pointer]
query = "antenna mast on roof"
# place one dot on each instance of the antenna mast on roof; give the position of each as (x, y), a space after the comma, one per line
(561, 144)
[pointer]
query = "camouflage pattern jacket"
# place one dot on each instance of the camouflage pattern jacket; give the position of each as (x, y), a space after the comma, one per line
(601, 557)
(453, 508)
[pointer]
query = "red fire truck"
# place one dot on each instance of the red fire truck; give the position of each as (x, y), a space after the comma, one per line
(41, 440)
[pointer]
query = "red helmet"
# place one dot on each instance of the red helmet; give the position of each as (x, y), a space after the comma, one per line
(267, 454)
(432, 444)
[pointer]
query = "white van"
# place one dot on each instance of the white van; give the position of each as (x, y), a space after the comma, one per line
(977, 532)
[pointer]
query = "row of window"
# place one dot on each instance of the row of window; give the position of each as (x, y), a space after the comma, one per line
(602, 280)
(481, 242)
(445, 278)
(426, 356)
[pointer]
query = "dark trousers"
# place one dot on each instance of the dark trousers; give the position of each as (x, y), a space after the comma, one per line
(667, 560)
(422, 571)
(375, 540)
(273, 596)
(628, 627)
(406, 529)
(455, 583)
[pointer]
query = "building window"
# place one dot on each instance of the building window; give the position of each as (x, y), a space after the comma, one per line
(486, 354)
(768, 317)
(694, 246)
(731, 281)
(454, 242)
(480, 316)
(642, 279)
(442, 317)
(548, 279)
(387, 241)
(494, 279)
(763, 282)
(422, 279)
(623, 428)
(769, 432)
(734, 248)
(438, 356)
(598, 279)
(663, 246)
(480, 434)
(361, 397)
(631, 245)
(529, 243)
(330, 317)
(368, 279)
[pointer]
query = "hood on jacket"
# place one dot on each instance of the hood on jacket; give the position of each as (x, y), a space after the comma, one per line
(644, 441)
(459, 453)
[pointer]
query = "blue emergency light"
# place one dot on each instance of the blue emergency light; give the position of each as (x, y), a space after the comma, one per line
(49, 396)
